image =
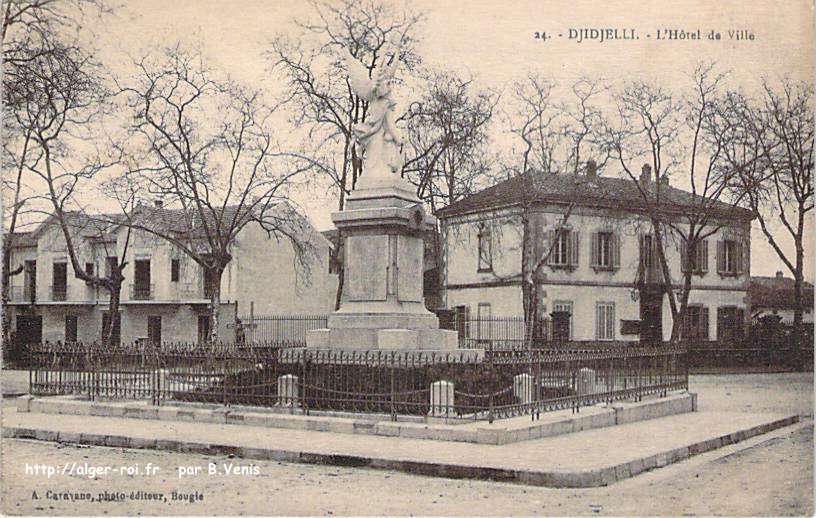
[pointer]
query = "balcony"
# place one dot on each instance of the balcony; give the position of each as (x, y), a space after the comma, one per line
(142, 291)
(22, 294)
(59, 292)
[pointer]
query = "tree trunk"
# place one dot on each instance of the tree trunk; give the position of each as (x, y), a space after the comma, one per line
(529, 293)
(215, 304)
(115, 290)
(7, 274)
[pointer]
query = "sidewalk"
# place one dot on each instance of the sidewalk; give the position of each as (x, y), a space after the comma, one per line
(584, 459)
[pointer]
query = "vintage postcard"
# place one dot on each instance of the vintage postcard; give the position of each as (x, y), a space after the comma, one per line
(385, 257)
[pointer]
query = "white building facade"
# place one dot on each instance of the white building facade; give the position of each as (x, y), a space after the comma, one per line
(589, 285)
(165, 296)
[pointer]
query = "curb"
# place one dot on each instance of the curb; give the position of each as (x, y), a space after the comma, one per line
(496, 434)
(557, 479)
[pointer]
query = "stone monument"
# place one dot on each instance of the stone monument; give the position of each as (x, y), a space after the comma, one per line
(382, 305)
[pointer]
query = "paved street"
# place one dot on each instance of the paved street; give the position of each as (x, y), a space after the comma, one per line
(770, 474)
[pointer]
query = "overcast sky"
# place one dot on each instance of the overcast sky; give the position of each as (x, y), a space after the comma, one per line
(495, 43)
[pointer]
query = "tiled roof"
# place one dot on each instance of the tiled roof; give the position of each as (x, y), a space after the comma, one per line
(22, 239)
(599, 191)
(777, 293)
(180, 221)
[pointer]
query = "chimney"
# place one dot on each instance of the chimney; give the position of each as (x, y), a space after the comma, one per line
(591, 169)
(646, 174)
(158, 203)
(779, 275)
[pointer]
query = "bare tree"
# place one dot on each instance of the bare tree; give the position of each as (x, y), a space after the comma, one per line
(772, 157)
(63, 102)
(319, 96)
(447, 143)
(679, 137)
(33, 32)
(214, 177)
(553, 138)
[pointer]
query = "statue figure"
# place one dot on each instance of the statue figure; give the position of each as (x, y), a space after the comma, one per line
(378, 135)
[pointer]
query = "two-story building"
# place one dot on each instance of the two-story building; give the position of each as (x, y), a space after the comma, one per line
(165, 295)
(601, 280)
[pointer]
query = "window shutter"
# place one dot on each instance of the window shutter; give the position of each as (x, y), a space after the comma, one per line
(574, 247)
(703, 331)
(550, 245)
(720, 256)
(739, 249)
(702, 260)
(593, 249)
(615, 251)
(684, 266)
(642, 255)
(598, 321)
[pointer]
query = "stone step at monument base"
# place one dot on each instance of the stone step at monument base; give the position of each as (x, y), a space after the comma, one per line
(383, 339)
(381, 357)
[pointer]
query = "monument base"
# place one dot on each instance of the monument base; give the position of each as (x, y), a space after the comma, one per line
(383, 339)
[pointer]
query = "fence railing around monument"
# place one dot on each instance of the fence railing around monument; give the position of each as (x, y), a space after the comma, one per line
(458, 385)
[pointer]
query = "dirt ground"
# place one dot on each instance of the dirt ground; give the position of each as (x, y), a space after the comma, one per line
(774, 476)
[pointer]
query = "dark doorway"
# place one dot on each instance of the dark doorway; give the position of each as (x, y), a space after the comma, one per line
(203, 328)
(29, 329)
(71, 322)
(651, 316)
(154, 329)
(560, 325)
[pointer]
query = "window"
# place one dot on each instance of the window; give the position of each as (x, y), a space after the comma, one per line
(605, 250)
(605, 321)
(71, 328)
(730, 324)
(729, 257)
(154, 329)
(203, 328)
(110, 265)
(141, 280)
(59, 286)
(698, 262)
(89, 268)
(647, 252)
(562, 320)
(564, 248)
(695, 323)
(175, 270)
(485, 249)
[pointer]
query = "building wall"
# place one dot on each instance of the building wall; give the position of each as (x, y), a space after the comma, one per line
(583, 286)
(264, 272)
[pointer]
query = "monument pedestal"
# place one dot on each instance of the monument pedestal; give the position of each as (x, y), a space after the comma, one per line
(382, 305)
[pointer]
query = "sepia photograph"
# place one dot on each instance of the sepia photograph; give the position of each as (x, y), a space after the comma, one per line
(407, 258)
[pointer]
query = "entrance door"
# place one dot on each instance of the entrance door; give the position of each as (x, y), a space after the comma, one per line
(651, 316)
(29, 329)
(154, 329)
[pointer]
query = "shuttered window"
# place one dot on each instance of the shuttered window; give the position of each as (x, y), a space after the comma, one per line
(605, 321)
(729, 257)
(695, 323)
(699, 257)
(605, 250)
(564, 248)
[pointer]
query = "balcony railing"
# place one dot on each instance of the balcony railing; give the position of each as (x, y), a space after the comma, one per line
(142, 291)
(59, 292)
(22, 293)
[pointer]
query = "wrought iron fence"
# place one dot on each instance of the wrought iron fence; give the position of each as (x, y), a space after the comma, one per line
(281, 328)
(458, 385)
